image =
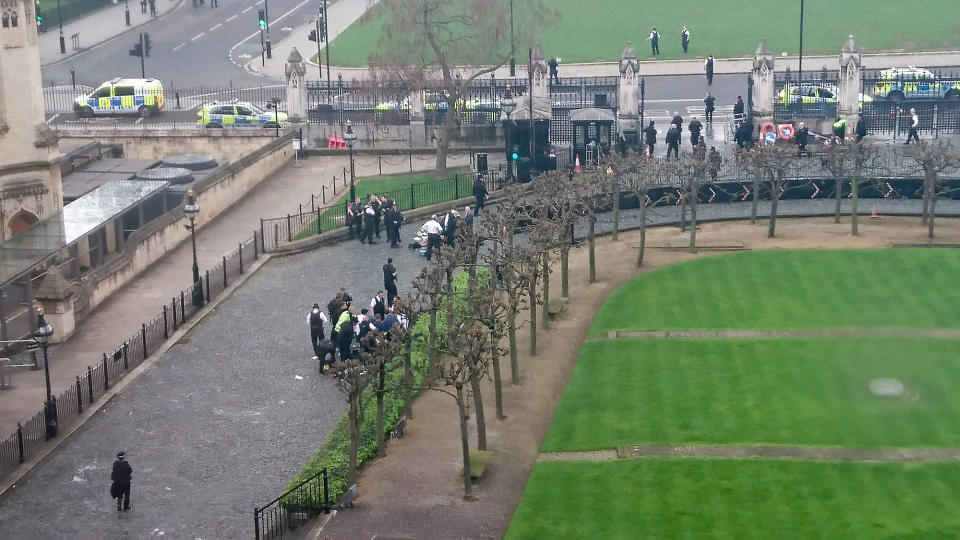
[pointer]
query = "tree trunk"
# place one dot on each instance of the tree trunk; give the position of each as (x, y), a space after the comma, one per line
(533, 318)
(591, 242)
(931, 208)
(478, 411)
(449, 314)
(926, 200)
(683, 213)
(408, 376)
(774, 199)
(464, 440)
(443, 146)
(616, 211)
(354, 415)
(432, 341)
(497, 381)
(546, 288)
(565, 271)
(643, 231)
(381, 429)
(755, 203)
(836, 211)
(693, 224)
(854, 199)
(512, 334)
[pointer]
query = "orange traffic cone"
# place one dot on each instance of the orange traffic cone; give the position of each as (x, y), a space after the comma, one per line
(874, 215)
(576, 164)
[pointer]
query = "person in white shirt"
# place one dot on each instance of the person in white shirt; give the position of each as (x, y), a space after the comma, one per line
(316, 318)
(433, 230)
(654, 40)
(914, 127)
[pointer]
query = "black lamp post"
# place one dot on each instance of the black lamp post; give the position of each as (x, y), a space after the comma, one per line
(190, 210)
(349, 137)
(274, 104)
(800, 67)
(508, 105)
(126, 11)
(63, 44)
(513, 61)
(42, 336)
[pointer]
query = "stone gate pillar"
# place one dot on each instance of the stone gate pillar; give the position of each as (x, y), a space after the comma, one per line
(762, 85)
(848, 102)
(628, 91)
(296, 73)
(541, 78)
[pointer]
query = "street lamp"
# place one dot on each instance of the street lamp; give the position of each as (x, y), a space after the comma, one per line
(274, 103)
(508, 105)
(800, 67)
(349, 136)
(190, 210)
(63, 44)
(42, 336)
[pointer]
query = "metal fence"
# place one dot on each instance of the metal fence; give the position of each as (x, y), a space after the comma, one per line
(936, 116)
(294, 508)
(54, 13)
(807, 95)
(572, 93)
(110, 368)
(331, 215)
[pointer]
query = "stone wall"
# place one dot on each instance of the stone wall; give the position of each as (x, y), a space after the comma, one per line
(225, 145)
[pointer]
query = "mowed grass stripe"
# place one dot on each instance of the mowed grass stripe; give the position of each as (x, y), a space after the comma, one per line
(808, 392)
(744, 499)
(791, 290)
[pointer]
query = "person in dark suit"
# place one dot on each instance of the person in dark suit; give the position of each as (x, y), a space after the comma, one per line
(121, 476)
(650, 138)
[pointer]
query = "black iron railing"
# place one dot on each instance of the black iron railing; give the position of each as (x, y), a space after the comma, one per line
(292, 509)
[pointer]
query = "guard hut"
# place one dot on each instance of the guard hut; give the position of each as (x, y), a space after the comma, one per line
(592, 132)
(516, 129)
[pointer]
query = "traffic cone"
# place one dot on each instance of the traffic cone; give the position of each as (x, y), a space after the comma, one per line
(576, 164)
(874, 215)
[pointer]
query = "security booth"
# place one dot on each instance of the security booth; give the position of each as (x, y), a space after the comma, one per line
(517, 138)
(592, 133)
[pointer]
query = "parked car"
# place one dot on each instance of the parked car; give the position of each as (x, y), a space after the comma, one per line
(813, 93)
(237, 114)
(914, 82)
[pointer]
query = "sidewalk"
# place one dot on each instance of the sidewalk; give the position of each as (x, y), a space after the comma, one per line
(140, 300)
(96, 28)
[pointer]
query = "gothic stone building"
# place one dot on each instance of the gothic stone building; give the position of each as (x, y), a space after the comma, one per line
(30, 187)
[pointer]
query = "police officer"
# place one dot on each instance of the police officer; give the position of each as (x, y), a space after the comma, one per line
(677, 120)
(861, 130)
(654, 40)
(840, 129)
(650, 138)
(738, 115)
(695, 128)
(715, 160)
(377, 213)
(708, 69)
(368, 219)
(914, 127)
(378, 305)
(552, 64)
(684, 38)
(316, 320)
(708, 106)
(479, 194)
(390, 281)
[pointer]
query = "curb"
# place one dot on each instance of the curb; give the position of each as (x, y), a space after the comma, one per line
(10, 482)
(99, 43)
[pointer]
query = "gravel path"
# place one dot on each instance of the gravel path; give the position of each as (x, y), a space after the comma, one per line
(219, 425)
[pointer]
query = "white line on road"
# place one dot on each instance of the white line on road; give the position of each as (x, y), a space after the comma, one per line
(232, 17)
(214, 27)
(139, 120)
(673, 100)
(246, 10)
(52, 118)
(259, 2)
(278, 19)
(180, 46)
(198, 36)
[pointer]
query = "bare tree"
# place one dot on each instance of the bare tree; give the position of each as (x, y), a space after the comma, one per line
(638, 176)
(856, 163)
(444, 45)
(429, 287)
(353, 377)
(773, 163)
(691, 174)
(933, 158)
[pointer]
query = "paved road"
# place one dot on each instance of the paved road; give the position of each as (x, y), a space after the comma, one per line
(219, 424)
(206, 46)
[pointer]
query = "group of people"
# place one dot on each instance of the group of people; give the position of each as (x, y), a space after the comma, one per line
(436, 231)
(654, 39)
(365, 219)
(674, 136)
(348, 327)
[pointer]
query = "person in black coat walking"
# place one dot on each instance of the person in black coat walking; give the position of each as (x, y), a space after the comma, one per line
(316, 320)
(708, 69)
(390, 281)
(695, 128)
(861, 130)
(121, 476)
(479, 194)
(708, 106)
(673, 141)
(650, 137)
(738, 115)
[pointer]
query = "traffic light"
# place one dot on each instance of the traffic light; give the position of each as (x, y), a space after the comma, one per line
(39, 14)
(146, 44)
(322, 25)
(312, 36)
(261, 19)
(137, 50)
(515, 153)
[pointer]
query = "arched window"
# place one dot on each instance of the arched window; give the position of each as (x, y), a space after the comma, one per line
(9, 13)
(21, 221)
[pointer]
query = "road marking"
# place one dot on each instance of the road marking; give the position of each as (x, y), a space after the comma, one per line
(139, 120)
(259, 2)
(52, 118)
(198, 36)
(673, 100)
(257, 33)
(232, 17)
(246, 10)
(214, 27)
(180, 46)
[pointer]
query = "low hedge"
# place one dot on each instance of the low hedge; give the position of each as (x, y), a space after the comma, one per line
(335, 452)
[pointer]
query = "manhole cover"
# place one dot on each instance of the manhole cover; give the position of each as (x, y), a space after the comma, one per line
(887, 388)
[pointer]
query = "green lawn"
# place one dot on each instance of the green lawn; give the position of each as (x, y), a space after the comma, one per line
(742, 499)
(778, 391)
(410, 190)
(793, 290)
(599, 30)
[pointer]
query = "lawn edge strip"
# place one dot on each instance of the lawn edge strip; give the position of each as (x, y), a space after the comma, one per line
(809, 453)
(935, 333)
